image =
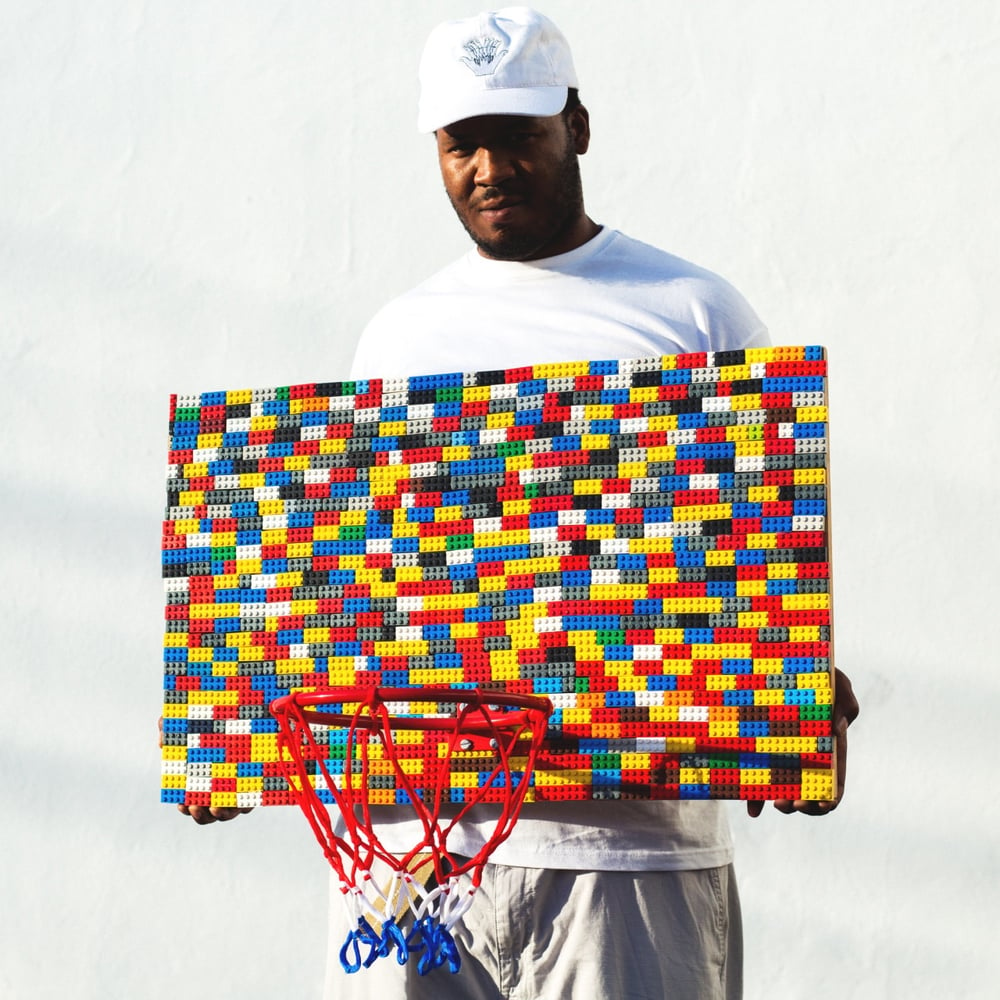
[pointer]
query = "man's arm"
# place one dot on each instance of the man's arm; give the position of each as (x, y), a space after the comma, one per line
(845, 711)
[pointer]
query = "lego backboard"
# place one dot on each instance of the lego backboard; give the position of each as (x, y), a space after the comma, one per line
(644, 542)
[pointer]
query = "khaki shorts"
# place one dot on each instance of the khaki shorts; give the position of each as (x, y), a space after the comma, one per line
(535, 934)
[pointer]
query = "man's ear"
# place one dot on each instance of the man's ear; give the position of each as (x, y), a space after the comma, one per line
(578, 121)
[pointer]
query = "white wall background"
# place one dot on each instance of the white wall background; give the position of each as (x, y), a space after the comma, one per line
(208, 195)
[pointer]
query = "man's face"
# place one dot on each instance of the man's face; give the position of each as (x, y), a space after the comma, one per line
(515, 182)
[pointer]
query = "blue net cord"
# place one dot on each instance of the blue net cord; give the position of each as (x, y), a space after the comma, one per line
(429, 939)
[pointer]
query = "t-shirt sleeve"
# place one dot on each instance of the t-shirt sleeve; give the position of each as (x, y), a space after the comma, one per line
(727, 321)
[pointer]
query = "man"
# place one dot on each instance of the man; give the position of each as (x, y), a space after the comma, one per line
(582, 901)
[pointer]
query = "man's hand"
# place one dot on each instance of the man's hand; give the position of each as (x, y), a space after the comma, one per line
(208, 814)
(845, 711)
(212, 814)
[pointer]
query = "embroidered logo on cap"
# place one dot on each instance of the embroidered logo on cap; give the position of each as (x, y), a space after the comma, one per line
(485, 53)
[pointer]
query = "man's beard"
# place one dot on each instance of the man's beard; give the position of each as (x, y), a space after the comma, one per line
(565, 209)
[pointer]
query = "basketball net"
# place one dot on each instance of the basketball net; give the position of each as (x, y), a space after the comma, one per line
(430, 888)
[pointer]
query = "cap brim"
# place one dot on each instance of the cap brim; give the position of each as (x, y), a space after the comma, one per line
(540, 102)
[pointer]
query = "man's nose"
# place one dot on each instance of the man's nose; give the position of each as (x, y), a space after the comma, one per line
(493, 167)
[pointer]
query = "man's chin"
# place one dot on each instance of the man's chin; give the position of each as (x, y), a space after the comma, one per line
(508, 246)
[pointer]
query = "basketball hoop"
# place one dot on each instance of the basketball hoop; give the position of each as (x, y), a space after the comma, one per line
(415, 913)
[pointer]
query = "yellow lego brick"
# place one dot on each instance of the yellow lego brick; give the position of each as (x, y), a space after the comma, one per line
(620, 592)
(173, 781)
(721, 557)
(643, 393)
(630, 470)
(811, 415)
(803, 633)
(695, 775)
(268, 507)
(296, 462)
(223, 800)
(817, 682)
(225, 669)
(175, 711)
(583, 487)
(751, 619)
(191, 498)
(476, 393)
(556, 779)
(809, 477)
(332, 446)
(209, 441)
(249, 480)
(768, 665)
(766, 697)
(512, 508)
(782, 571)
(175, 639)
(229, 610)
(704, 512)
(680, 744)
(635, 761)
(667, 422)
(755, 776)
(785, 744)
(562, 369)
(220, 769)
(633, 682)
(663, 574)
(173, 753)
(668, 636)
(762, 494)
(439, 675)
(805, 602)
(720, 682)
(200, 655)
(590, 442)
(734, 373)
(663, 713)
(213, 697)
(749, 447)
(692, 605)
(595, 531)
(234, 396)
(764, 540)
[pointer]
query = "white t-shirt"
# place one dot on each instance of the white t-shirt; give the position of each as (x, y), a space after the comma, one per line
(611, 298)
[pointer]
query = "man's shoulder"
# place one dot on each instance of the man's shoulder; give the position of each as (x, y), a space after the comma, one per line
(645, 260)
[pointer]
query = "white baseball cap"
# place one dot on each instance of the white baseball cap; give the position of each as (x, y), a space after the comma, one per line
(513, 61)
